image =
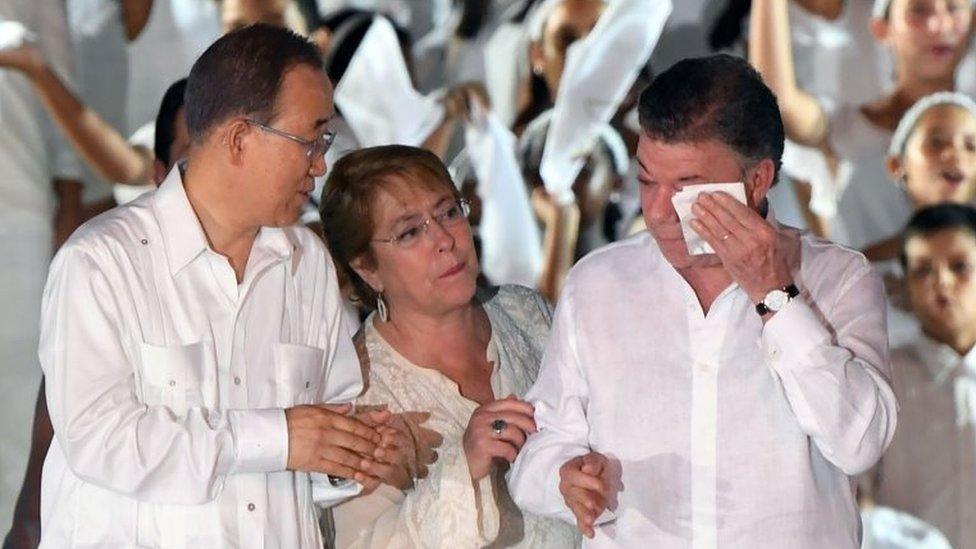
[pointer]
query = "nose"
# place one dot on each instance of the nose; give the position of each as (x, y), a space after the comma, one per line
(942, 20)
(656, 201)
(318, 166)
(950, 153)
(943, 277)
(440, 236)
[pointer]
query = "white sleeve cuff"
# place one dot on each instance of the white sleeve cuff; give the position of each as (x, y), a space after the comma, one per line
(791, 335)
(261, 438)
(327, 494)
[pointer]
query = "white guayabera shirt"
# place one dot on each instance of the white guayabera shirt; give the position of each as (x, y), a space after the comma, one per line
(166, 382)
(728, 433)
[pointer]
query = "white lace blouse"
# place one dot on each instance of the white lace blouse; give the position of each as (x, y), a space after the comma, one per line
(446, 509)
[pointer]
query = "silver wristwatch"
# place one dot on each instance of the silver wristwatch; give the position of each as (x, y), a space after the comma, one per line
(777, 299)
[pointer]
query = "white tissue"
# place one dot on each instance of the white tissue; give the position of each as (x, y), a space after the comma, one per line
(686, 197)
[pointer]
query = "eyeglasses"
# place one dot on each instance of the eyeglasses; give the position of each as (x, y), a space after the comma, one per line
(449, 215)
(313, 149)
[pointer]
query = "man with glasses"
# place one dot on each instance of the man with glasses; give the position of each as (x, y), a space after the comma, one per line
(190, 336)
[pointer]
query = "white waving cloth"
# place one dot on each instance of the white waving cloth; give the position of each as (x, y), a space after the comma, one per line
(600, 69)
(511, 246)
(377, 98)
(887, 528)
(14, 35)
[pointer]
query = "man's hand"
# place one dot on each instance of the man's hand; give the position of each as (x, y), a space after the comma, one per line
(584, 482)
(756, 255)
(323, 439)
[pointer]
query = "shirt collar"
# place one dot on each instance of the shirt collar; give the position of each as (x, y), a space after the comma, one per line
(183, 236)
(941, 360)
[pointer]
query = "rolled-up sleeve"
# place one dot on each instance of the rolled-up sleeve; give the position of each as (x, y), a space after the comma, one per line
(832, 361)
(560, 396)
(109, 437)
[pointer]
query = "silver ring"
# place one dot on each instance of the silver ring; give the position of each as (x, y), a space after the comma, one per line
(498, 426)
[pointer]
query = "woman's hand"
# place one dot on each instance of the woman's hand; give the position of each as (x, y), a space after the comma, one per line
(405, 448)
(459, 101)
(483, 442)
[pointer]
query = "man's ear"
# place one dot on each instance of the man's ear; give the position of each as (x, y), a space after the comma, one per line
(159, 172)
(233, 139)
(760, 179)
(367, 271)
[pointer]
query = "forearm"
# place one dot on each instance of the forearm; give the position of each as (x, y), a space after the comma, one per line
(838, 390)
(558, 248)
(771, 53)
(107, 152)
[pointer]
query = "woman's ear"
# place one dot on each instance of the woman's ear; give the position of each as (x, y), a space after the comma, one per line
(895, 167)
(367, 271)
(536, 59)
(879, 29)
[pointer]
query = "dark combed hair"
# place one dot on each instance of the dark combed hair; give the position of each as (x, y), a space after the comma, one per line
(939, 217)
(717, 97)
(166, 120)
(241, 73)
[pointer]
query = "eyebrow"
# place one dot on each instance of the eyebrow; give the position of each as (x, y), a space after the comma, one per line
(323, 121)
(409, 216)
(693, 177)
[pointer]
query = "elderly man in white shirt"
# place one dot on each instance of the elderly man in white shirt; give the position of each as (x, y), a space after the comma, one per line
(188, 335)
(722, 399)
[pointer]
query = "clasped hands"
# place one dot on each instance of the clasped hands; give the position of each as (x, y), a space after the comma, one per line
(372, 446)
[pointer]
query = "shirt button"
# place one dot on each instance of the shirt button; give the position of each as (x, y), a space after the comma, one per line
(237, 380)
(308, 384)
(172, 383)
(250, 506)
(774, 352)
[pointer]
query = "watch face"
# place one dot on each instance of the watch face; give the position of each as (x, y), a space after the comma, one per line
(776, 299)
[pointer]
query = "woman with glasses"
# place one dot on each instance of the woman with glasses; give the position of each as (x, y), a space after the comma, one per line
(434, 342)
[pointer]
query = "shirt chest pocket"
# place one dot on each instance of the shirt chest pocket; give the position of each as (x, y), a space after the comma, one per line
(179, 377)
(299, 371)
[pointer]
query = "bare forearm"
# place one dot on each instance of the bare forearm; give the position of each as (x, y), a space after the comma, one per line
(100, 144)
(771, 52)
(558, 248)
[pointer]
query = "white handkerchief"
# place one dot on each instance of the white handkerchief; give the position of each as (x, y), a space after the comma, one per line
(13, 35)
(685, 198)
